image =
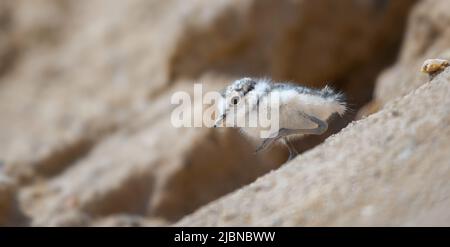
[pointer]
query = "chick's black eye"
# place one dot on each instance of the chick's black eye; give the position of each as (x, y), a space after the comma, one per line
(234, 100)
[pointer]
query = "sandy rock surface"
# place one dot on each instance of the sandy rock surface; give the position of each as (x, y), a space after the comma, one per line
(10, 214)
(390, 169)
(427, 37)
(85, 89)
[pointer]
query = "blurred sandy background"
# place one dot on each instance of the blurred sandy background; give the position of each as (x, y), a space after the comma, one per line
(85, 133)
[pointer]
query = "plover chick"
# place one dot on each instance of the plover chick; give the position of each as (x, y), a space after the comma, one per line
(295, 110)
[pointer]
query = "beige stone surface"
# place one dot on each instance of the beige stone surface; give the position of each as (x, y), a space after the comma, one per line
(123, 220)
(85, 92)
(390, 169)
(6, 199)
(427, 37)
(10, 212)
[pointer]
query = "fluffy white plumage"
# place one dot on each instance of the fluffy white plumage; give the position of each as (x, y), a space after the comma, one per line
(294, 102)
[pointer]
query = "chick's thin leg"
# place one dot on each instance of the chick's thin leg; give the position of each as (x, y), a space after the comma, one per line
(322, 126)
(292, 150)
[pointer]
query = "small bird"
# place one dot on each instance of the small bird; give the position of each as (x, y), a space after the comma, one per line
(301, 110)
